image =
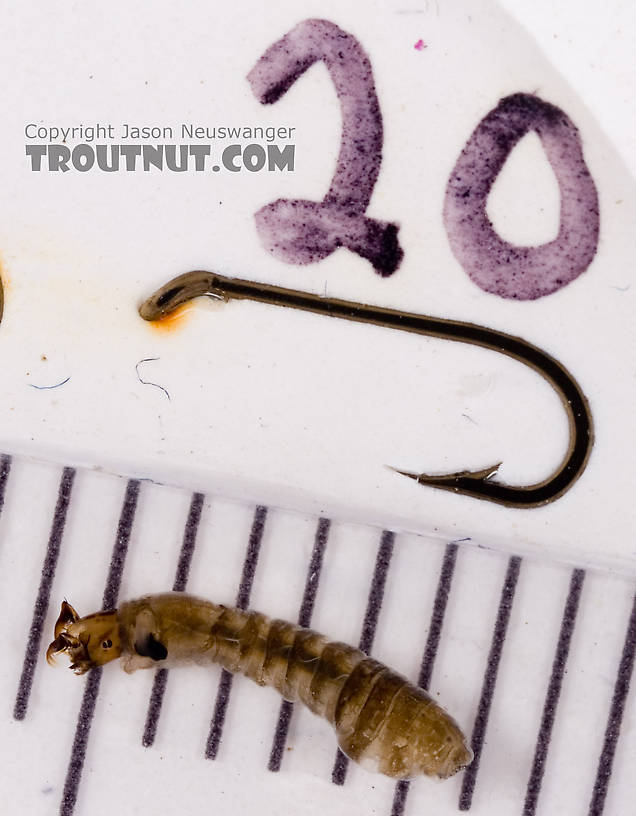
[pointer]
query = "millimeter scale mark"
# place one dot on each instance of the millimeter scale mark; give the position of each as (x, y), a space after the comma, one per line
(374, 604)
(554, 691)
(615, 718)
(490, 680)
(91, 689)
(430, 651)
(242, 600)
(180, 582)
(41, 607)
(304, 619)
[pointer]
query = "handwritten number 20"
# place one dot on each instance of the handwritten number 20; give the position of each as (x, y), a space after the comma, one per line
(303, 232)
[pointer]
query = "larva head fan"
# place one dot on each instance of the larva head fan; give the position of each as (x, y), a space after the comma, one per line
(89, 642)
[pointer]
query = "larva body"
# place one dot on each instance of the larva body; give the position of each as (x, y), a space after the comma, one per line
(381, 720)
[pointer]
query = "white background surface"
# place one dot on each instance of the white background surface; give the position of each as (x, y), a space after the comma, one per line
(283, 407)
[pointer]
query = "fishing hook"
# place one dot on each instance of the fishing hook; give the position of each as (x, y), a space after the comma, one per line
(478, 484)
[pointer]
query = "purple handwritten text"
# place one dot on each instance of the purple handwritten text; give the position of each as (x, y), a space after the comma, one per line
(521, 272)
(303, 232)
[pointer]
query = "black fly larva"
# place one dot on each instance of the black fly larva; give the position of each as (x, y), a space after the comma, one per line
(381, 720)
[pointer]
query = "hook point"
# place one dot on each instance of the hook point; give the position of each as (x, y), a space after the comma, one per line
(445, 479)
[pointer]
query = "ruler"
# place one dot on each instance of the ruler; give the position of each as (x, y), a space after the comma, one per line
(533, 657)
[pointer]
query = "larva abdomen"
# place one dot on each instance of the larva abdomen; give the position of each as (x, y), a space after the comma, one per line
(382, 721)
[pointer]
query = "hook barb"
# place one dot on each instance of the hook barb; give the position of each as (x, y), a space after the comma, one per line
(449, 480)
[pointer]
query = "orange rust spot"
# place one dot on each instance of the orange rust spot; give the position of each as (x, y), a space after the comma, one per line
(174, 320)
(3, 286)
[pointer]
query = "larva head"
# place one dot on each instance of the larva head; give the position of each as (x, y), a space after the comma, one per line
(89, 642)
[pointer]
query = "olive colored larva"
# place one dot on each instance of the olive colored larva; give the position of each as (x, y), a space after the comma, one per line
(381, 720)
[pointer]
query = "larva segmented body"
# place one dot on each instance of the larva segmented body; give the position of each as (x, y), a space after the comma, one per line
(381, 720)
